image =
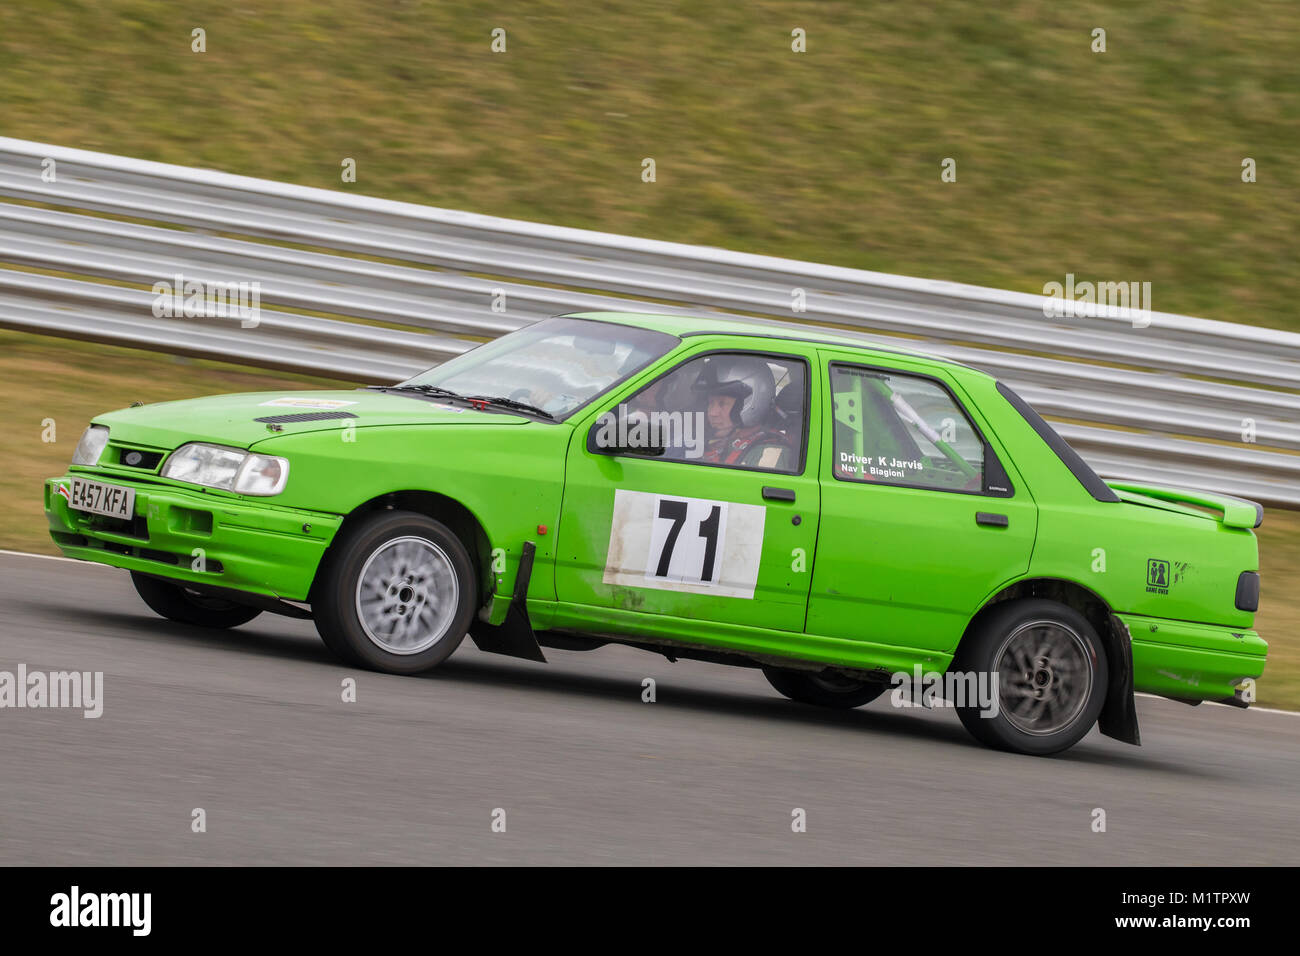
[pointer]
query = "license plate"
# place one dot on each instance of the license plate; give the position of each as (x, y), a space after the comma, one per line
(101, 499)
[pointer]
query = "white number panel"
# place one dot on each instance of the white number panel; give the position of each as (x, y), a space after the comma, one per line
(677, 543)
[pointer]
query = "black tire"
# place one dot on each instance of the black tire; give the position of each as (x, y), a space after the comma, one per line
(421, 568)
(824, 689)
(178, 603)
(1051, 700)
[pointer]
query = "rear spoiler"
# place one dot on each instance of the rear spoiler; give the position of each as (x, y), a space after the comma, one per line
(1234, 512)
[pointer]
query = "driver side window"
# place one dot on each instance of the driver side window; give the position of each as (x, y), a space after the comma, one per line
(902, 430)
(732, 409)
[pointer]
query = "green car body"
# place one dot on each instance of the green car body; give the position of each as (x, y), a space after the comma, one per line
(847, 576)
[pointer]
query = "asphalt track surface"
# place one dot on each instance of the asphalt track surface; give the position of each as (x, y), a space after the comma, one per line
(250, 725)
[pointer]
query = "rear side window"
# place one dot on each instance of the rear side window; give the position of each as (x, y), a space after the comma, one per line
(1069, 457)
(904, 430)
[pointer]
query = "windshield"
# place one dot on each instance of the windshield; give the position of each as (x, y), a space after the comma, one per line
(557, 365)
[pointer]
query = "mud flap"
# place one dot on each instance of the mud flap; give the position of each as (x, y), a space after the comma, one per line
(1119, 715)
(514, 636)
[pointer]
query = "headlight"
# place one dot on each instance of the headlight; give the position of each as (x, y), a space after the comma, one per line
(262, 475)
(91, 446)
(230, 469)
(210, 465)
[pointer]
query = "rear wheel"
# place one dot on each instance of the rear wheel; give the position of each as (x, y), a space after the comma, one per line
(1051, 677)
(825, 689)
(176, 602)
(396, 594)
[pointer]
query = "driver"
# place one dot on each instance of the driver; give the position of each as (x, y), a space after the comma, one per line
(740, 392)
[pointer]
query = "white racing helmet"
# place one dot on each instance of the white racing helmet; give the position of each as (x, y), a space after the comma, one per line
(744, 378)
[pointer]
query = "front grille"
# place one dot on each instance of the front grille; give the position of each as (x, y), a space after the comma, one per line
(135, 527)
(134, 457)
(212, 566)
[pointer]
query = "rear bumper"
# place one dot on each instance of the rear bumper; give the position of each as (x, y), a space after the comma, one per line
(205, 539)
(1194, 661)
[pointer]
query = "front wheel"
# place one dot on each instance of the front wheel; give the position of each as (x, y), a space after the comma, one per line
(396, 594)
(178, 603)
(1049, 668)
(824, 689)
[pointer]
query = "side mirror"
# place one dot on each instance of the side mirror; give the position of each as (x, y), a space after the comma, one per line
(623, 432)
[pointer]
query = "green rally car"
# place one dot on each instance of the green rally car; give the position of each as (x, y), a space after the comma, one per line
(849, 518)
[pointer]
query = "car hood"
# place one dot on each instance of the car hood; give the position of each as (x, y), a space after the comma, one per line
(240, 419)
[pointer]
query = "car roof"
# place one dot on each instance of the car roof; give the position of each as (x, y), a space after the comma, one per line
(684, 326)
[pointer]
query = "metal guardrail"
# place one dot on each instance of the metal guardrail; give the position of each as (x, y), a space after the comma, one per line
(408, 286)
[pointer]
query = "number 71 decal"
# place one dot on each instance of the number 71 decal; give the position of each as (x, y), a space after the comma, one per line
(677, 543)
(692, 556)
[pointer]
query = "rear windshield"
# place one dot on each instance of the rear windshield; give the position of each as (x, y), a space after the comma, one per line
(1069, 457)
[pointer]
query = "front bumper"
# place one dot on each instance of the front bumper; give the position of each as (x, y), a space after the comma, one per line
(189, 535)
(1194, 661)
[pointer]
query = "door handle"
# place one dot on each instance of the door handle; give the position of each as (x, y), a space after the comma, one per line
(778, 494)
(988, 518)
